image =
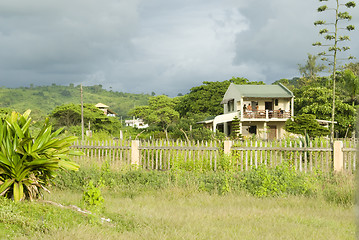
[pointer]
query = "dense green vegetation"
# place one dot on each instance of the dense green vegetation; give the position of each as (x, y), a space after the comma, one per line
(43, 99)
(313, 96)
(281, 181)
(160, 111)
(68, 116)
(206, 99)
(306, 124)
(178, 117)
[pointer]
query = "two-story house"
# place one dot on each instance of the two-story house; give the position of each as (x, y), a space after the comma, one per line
(261, 109)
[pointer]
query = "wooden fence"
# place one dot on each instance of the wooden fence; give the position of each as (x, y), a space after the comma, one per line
(215, 155)
(317, 155)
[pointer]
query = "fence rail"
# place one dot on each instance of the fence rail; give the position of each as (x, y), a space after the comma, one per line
(214, 155)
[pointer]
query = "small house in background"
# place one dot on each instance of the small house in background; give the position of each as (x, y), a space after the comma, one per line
(136, 123)
(105, 110)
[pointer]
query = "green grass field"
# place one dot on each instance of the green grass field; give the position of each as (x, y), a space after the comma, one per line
(258, 204)
(178, 213)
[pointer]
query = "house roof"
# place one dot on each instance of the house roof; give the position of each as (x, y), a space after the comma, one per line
(275, 91)
(101, 105)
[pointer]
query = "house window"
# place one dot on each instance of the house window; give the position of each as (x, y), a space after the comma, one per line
(252, 129)
(268, 106)
(276, 102)
(230, 105)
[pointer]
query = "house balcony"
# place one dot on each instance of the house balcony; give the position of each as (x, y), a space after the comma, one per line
(259, 115)
(266, 115)
(254, 116)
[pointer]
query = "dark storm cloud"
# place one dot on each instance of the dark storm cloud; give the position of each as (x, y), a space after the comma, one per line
(162, 46)
(279, 36)
(62, 41)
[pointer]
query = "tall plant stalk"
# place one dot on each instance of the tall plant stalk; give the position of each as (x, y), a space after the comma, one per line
(333, 48)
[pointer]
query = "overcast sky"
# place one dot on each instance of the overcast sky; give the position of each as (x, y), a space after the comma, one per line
(161, 46)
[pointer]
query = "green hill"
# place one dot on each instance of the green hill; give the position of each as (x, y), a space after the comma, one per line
(43, 99)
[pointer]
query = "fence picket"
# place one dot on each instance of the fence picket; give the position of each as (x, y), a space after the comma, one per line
(246, 160)
(311, 157)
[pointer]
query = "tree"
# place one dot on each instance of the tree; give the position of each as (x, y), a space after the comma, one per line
(188, 128)
(351, 85)
(291, 84)
(29, 163)
(160, 111)
(354, 67)
(69, 115)
(311, 69)
(206, 99)
(235, 134)
(333, 48)
(317, 101)
(306, 124)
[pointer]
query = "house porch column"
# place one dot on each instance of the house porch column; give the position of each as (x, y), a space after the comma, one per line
(214, 128)
(225, 128)
(265, 131)
(241, 110)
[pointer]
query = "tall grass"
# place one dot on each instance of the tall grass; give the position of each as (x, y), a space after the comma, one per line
(178, 213)
(262, 203)
(280, 181)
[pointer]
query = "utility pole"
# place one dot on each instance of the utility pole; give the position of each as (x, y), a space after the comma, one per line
(82, 115)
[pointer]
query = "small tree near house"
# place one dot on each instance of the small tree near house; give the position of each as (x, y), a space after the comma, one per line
(235, 134)
(306, 124)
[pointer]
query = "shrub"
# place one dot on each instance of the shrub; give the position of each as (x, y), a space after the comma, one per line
(27, 163)
(263, 181)
(281, 180)
(92, 196)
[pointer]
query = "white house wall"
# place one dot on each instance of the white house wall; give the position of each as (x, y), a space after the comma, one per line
(280, 129)
(224, 118)
(262, 129)
(283, 104)
(232, 92)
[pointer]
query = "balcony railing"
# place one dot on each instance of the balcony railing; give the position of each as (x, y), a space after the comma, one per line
(267, 114)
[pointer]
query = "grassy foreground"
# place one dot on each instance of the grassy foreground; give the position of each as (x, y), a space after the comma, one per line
(188, 205)
(179, 214)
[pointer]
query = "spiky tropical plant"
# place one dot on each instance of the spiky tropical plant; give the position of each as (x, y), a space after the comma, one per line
(27, 163)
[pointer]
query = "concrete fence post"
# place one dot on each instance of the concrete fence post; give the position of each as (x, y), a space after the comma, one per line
(135, 152)
(227, 147)
(338, 155)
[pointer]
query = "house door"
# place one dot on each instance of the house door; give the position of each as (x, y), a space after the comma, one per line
(269, 106)
(272, 132)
